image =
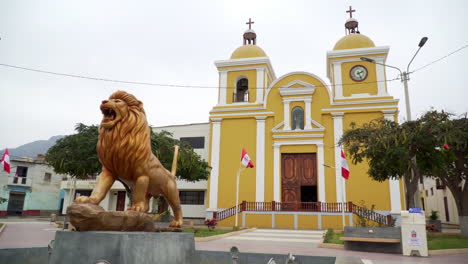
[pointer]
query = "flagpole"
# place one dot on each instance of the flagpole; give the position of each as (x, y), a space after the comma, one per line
(343, 200)
(237, 196)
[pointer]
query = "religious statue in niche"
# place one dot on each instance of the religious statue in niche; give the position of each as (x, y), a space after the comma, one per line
(124, 150)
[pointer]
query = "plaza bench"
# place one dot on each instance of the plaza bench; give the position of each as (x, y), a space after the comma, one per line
(373, 239)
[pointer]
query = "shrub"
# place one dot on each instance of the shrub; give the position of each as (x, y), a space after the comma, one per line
(211, 223)
(434, 215)
(328, 235)
(432, 228)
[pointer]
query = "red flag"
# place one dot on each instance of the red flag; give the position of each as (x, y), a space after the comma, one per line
(245, 159)
(344, 166)
(6, 161)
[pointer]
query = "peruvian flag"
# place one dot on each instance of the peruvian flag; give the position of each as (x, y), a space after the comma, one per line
(6, 161)
(344, 166)
(245, 159)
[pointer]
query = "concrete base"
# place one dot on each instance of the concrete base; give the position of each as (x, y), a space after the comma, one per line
(123, 247)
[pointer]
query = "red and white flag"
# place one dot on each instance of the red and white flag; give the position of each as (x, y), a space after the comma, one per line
(6, 161)
(344, 166)
(245, 159)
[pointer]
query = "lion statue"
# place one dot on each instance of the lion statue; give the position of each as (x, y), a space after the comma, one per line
(124, 150)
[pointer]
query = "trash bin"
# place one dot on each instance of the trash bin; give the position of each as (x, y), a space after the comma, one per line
(53, 218)
(413, 234)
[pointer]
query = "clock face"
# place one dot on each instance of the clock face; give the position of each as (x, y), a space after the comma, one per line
(358, 73)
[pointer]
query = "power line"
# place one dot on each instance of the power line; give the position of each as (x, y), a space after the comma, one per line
(451, 53)
(158, 84)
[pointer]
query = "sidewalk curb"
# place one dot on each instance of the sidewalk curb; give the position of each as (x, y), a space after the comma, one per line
(206, 239)
(437, 252)
(331, 245)
(453, 251)
(2, 228)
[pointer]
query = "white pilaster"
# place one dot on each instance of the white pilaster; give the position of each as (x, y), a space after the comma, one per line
(222, 87)
(321, 172)
(276, 173)
(286, 122)
(380, 72)
(215, 151)
(337, 80)
(337, 133)
(260, 82)
(260, 162)
(394, 185)
(308, 114)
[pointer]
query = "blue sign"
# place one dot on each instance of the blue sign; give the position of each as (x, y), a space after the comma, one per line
(415, 210)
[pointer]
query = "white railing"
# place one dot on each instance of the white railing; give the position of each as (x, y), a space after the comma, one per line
(19, 181)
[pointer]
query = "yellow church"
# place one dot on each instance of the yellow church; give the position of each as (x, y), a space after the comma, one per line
(290, 126)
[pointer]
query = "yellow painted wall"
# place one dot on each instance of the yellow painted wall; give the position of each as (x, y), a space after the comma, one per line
(235, 135)
(230, 221)
(329, 159)
(233, 77)
(351, 87)
(258, 220)
(269, 124)
(360, 186)
(334, 222)
(284, 221)
(307, 222)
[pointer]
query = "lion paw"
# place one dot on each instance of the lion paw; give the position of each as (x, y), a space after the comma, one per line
(138, 208)
(85, 199)
(176, 223)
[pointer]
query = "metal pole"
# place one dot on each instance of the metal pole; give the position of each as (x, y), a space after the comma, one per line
(343, 200)
(237, 196)
(405, 78)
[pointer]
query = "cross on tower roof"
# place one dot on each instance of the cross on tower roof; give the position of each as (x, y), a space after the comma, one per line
(350, 11)
(250, 23)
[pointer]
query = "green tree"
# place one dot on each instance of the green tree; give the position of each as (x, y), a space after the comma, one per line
(451, 137)
(77, 155)
(394, 151)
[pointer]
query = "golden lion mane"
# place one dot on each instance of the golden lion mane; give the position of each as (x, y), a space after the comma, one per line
(127, 145)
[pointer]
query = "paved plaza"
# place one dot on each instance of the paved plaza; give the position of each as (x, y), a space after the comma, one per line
(277, 241)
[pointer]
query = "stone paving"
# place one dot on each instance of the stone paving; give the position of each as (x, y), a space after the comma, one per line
(300, 242)
(270, 241)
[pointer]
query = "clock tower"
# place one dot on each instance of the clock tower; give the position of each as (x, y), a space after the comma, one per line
(351, 77)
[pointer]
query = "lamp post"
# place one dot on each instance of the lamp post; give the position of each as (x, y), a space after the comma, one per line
(404, 75)
(404, 78)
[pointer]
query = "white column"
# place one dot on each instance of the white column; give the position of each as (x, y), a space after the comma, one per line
(395, 198)
(222, 87)
(276, 173)
(380, 72)
(286, 115)
(337, 133)
(308, 115)
(260, 162)
(321, 172)
(260, 82)
(215, 151)
(337, 80)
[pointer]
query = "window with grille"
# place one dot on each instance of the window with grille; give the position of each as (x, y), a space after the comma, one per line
(195, 142)
(192, 197)
(297, 118)
(47, 177)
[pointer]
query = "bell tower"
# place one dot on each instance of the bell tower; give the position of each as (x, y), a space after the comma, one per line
(351, 77)
(244, 78)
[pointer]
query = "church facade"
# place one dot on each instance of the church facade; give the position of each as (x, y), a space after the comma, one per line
(290, 126)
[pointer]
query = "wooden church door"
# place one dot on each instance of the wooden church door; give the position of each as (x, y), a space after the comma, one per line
(299, 172)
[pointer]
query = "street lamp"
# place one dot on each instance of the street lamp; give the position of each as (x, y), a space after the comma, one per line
(404, 75)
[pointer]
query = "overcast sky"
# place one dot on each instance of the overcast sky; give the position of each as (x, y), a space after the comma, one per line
(176, 42)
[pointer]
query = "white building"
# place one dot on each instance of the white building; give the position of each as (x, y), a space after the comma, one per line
(32, 188)
(192, 194)
(437, 197)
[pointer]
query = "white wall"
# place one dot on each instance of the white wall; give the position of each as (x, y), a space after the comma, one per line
(436, 201)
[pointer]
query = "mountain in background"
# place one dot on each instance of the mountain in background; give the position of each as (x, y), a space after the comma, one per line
(33, 148)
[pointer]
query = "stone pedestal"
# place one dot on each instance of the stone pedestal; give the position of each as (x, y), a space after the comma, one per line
(123, 247)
